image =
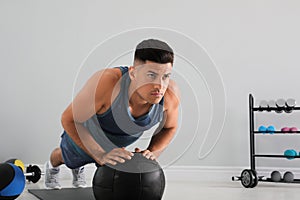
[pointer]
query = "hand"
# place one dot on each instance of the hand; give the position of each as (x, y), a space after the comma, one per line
(117, 155)
(146, 153)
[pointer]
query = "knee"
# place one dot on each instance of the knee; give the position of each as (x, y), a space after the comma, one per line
(56, 152)
(56, 157)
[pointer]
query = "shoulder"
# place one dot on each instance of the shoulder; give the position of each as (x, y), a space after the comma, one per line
(102, 82)
(172, 96)
(110, 75)
(107, 82)
(103, 79)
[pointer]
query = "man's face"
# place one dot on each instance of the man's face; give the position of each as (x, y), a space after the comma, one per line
(151, 80)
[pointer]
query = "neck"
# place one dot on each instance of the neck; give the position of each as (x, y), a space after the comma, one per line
(135, 99)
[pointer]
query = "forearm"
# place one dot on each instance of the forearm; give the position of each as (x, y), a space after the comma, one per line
(161, 140)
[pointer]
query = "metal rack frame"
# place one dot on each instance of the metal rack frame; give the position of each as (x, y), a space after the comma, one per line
(249, 178)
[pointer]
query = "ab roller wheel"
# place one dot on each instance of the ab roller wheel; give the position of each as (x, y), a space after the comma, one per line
(249, 178)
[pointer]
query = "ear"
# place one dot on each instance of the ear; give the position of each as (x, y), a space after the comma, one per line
(131, 72)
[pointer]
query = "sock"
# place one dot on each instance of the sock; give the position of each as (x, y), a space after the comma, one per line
(51, 167)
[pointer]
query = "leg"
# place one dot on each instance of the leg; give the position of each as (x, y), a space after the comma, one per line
(52, 169)
(56, 158)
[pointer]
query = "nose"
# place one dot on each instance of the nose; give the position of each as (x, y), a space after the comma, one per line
(159, 83)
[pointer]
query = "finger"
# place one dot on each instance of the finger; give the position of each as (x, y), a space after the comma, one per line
(118, 159)
(114, 159)
(153, 157)
(128, 153)
(121, 153)
(111, 162)
(146, 152)
(148, 155)
(107, 160)
(125, 155)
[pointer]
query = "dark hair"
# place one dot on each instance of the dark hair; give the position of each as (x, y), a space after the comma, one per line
(154, 50)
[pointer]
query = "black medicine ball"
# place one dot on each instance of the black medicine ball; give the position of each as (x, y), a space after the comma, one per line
(136, 179)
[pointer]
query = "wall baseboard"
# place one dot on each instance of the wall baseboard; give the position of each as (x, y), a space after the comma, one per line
(187, 173)
(217, 174)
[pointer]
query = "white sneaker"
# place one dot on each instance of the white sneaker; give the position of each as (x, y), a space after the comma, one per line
(51, 177)
(79, 178)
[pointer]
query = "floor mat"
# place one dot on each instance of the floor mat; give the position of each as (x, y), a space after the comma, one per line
(64, 194)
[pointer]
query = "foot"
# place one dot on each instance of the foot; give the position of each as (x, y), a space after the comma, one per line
(51, 177)
(79, 178)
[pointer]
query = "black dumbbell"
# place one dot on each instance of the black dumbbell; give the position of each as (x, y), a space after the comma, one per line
(290, 104)
(33, 173)
(280, 103)
(288, 177)
(271, 105)
(275, 176)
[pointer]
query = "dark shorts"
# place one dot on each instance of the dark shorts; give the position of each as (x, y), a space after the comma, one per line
(73, 156)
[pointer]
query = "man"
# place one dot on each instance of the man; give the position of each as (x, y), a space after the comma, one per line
(112, 111)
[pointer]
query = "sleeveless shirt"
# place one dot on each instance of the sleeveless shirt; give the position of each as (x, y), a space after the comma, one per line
(116, 127)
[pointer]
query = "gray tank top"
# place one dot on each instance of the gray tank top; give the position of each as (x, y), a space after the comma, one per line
(117, 127)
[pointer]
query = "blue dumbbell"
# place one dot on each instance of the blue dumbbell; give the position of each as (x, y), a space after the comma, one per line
(290, 153)
(271, 129)
(262, 129)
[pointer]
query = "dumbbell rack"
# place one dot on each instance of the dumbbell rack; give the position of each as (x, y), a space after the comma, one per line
(249, 177)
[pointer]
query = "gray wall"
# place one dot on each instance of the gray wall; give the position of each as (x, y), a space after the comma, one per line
(225, 50)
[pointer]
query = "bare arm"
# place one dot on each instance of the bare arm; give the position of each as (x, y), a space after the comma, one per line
(161, 139)
(167, 129)
(92, 98)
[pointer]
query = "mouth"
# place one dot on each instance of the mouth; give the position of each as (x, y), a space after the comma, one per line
(157, 94)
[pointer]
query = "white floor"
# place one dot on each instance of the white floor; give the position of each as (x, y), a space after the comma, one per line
(211, 190)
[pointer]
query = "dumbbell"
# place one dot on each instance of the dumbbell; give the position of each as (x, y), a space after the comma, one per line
(262, 129)
(290, 104)
(33, 173)
(290, 154)
(276, 176)
(269, 129)
(280, 104)
(263, 105)
(293, 129)
(288, 177)
(271, 104)
(285, 129)
(289, 130)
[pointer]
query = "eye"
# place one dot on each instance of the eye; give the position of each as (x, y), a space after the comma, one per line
(166, 76)
(151, 75)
